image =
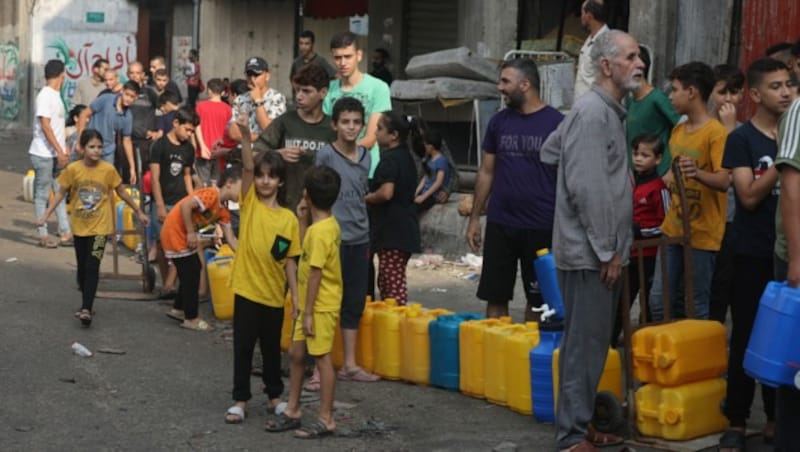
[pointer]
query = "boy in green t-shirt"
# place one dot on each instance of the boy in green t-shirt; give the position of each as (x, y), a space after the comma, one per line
(320, 296)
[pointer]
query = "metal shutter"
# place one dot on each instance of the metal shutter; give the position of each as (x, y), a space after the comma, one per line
(431, 25)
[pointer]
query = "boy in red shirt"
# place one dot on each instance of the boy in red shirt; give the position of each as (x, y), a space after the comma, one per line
(214, 117)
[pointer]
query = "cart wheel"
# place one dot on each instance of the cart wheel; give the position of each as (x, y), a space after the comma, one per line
(608, 415)
(149, 278)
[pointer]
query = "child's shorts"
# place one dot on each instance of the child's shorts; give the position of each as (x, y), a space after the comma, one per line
(324, 330)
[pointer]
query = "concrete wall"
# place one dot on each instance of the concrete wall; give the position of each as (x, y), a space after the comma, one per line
(14, 62)
(488, 28)
(386, 31)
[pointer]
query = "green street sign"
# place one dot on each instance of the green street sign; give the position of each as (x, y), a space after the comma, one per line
(95, 17)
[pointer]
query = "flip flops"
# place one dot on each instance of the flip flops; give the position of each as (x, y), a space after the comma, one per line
(85, 316)
(236, 411)
(202, 326)
(359, 375)
(282, 423)
(175, 314)
(601, 439)
(47, 242)
(314, 431)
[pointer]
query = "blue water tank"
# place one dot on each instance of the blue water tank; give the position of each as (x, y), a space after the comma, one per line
(545, 267)
(541, 358)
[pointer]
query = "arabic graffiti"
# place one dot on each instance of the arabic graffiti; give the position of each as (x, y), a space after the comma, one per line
(80, 51)
(9, 92)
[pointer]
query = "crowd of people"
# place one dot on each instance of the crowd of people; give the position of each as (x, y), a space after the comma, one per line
(308, 195)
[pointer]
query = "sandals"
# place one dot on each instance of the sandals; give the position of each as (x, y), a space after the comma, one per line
(65, 241)
(202, 326)
(237, 413)
(313, 384)
(359, 375)
(47, 242)
(175, 314)
(733, 439)
(85, 316)
(282, 423)
(314, 431)
(167, 294)
(601, 439)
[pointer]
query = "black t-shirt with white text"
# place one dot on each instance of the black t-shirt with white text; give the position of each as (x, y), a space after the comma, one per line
(172, 159)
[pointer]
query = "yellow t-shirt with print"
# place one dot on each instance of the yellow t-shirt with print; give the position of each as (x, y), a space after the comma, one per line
(707, 207)
(88, 187)
(267, 238)
(321, 250)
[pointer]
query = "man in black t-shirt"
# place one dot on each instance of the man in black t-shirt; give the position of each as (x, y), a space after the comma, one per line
(750, 153)
(172, 157)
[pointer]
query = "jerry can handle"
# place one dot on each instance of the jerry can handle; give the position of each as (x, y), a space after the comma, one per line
(644, 413)
(665, 360)
(670, 416)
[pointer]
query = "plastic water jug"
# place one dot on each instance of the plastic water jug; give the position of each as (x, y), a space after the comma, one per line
(337, 352)
(682, 412)
(772, 354)
(680, 352)
(494, 361)
(545, 267)
(364, 340)
(610, 381)
(541, 358)
(415, 366)
(386, 336)
(287, 327)
(518, 346)
(445, 349)
(470, 337)
(219, 272)
(27, 185)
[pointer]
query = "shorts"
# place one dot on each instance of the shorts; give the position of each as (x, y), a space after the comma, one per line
(355, 276)
(505, 248)
(155, 225)
(324, 331)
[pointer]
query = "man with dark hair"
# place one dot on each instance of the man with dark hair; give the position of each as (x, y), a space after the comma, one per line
(143, 110)
(750, 151)
(781, 51)
(262, 104)
(162, 83)
(305, 44)
(519, 219)
(158, 63)
(298, 134)
(592, 233)
(593, 20)
(48, 150)
(110, 115)
(89, 87)
(373, 93)
(379, 70)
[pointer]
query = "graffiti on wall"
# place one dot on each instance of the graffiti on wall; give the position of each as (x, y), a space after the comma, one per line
(80, 51)
(9, 90)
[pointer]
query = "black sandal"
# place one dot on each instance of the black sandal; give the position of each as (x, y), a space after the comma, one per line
(314, 431)
(733, 439)
(282, 423)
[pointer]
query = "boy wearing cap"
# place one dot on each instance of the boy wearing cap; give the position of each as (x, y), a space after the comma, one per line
(262, 103)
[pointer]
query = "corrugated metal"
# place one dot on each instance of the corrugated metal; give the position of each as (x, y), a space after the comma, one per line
(431, 25)
(764, 23)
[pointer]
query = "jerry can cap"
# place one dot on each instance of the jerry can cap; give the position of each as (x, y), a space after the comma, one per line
(542, 252)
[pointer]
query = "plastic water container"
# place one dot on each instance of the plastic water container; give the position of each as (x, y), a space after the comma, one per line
(494, 361)
(541, 358)
(770, 349)
(287, 327)
(364, 339)
(219, 272)
(386, 336)
(415, 366)
(337, 352)
(680, 352)
(545, 267)
(445, 349)
(27, 185)
(517, 348)
(610, 381)
(682, 412)
(470, 352)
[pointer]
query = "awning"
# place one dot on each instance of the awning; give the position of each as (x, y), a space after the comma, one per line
(331, 9)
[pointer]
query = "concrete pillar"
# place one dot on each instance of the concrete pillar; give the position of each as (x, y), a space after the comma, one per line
(488, 28)
(703, 31)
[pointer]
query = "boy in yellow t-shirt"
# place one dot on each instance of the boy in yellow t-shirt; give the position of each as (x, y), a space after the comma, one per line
(320, 280)
(698, 144)
(269, 242)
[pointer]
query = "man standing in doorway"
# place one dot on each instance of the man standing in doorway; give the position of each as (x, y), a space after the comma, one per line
(158, 62)
(89, 87)
(143, 110)
(305, 44)
(519, 220)
(592, 233)
(593, 19)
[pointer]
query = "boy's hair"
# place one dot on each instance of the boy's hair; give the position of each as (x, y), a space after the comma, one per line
(695, 74)
(309, 35)
(87, 135)
(277, 169)
(186, 115)
(527, 67)
(161, 73)
(312, 75)
(239, 87)
(322, 186)
(344, 39)
(432, 138)
(347, 103)
(596, 9)
(168, 96)
(99, 62)
(130, 85)
(652, 139)
(408, 131)
(215, 86)
(732, 76)
(762, 66)
(231, 173)
(53, 69)
(76, 111)
(780, 47)
(644, 55)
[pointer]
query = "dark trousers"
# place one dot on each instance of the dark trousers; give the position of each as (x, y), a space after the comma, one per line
(254, 321)
(649, 263)
(186, 299)
(89, 253)
(787, 398)
(750, 277)
(722, 281)
(192, 93)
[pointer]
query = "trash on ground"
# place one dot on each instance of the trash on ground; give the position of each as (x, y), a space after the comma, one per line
(111, 351)
(67, 380)
(11, 259)
(472, 260)
(438, 290)
(80, 350)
